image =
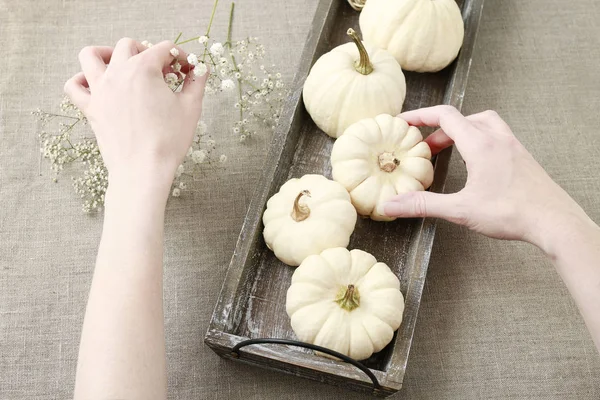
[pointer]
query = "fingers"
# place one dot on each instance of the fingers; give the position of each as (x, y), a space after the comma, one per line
(93, 60)
(125, 49)
(77, 90)
(438, 141)
(490, 119)
(192, 93)
(455, 125)
(424, 204)
(161, 55)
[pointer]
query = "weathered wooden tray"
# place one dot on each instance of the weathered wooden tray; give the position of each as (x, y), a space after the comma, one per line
(252, 301)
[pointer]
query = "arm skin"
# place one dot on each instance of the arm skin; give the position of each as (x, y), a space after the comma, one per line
(575, 252)
(508, 195)
(143, 130)
(122, 351)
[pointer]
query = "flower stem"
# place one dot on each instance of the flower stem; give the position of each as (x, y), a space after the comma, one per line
(189, 40)
(363, 65)
(60, 115)
(228, 43)
(178, 37)
(212, 16)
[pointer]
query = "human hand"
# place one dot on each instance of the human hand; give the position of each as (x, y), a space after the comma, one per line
(143, 128)
(508, 195)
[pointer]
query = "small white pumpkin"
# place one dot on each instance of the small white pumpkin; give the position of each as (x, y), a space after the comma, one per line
(378, 158)
(350, 83)
(345, 301)
(423, 35)
(307, 216)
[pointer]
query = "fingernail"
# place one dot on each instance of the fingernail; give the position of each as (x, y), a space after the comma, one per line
(380, 209)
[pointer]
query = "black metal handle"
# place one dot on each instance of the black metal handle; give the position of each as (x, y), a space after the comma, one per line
(235, 352)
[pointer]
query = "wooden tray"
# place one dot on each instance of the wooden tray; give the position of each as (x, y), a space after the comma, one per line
(252, 301)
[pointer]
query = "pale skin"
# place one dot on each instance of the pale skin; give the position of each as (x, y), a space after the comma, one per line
(144, 130)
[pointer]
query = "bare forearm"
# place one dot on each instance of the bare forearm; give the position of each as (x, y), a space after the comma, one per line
(122, 353)
(575, 251)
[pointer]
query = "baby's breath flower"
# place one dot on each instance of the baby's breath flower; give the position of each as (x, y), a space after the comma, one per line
(192, 59)
(202, 128)
(200, 69)
(171, 78)
(258, 105)
(199, 156)
(227, 84)
(217, 49)
(145, 43)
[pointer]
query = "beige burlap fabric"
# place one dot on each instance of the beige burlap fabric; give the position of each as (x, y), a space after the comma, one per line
(496, 321)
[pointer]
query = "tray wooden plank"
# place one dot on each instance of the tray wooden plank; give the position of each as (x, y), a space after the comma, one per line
(252, 300)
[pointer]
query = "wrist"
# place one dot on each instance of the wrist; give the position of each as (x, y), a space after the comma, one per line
(564, 231)
(146, 189)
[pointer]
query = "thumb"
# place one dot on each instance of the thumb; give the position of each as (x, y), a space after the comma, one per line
(424, 204)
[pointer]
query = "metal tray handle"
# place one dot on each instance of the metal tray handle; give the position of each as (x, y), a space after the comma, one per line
(235, 352)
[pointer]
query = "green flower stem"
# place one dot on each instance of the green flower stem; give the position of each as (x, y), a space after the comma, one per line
(60, 115)
(212, 16)
(228, 43)
(178, 37)
(189, 40)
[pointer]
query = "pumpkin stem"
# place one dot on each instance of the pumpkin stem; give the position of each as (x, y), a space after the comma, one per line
(300, 211)
(388, 162)
(363, 65)
(348, 298)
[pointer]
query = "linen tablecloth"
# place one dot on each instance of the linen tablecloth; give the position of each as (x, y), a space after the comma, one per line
(496, 321)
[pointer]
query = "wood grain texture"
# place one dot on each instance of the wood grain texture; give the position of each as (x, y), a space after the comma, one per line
(252, 300)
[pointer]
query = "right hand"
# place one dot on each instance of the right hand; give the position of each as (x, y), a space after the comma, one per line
(508, 195)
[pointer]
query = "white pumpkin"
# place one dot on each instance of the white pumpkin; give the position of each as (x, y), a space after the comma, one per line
(350, 83)
(378, 158)
(307, 216)
(345, 301)
(423, 35)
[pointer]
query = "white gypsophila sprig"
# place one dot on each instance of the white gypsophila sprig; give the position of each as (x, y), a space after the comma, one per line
(235, 66)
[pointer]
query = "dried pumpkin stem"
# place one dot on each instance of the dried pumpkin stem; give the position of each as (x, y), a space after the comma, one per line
(363, 65)
(388, 162)
(300, 211)
(348, 298)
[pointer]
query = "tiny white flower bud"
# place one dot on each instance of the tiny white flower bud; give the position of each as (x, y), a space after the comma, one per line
(200, 69)
(217, 49)
(227, 84)
(192, 59)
